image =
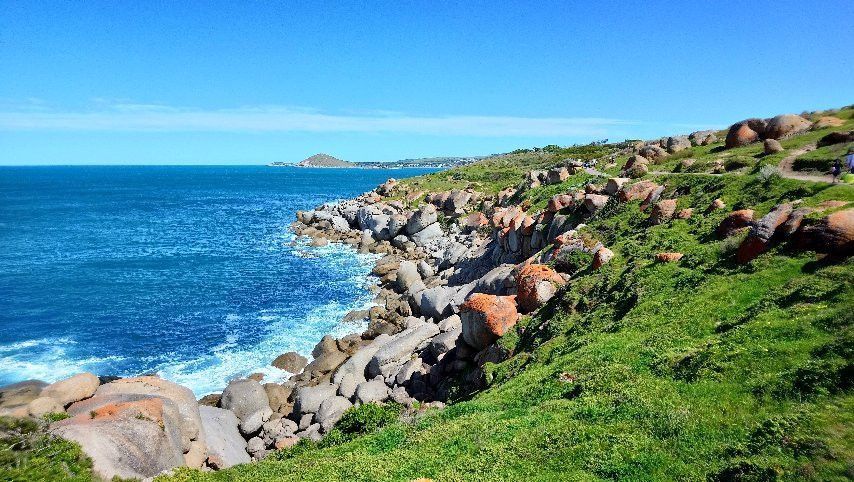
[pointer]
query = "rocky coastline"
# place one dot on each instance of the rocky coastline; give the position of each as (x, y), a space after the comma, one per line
(458, 270)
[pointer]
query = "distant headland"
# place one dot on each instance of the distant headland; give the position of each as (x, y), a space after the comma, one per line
(326, 161)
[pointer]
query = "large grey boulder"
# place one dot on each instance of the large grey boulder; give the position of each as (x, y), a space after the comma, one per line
(182, 398)
(498, 281)
(452, 255)
(400, 348)
(225, 445)
(134, 439)
(244, 397)
(444, 342)
(436, 301)
(429, 233)
(330, 412)
(252, 424)
(407, 276)
(356, 364)
(339, 224)
(363, 214)
(678, 143)
(291, 362)
(372, 391)
(450, 323)
(309, 399)
(420, 219)
(347, 387)
(408, 369)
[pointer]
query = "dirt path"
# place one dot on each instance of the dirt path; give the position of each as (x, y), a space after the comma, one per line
(786, 164)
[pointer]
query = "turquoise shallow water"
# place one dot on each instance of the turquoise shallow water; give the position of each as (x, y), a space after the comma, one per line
(189, 272)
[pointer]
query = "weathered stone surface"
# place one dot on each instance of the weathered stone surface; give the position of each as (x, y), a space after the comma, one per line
(594, 202)
(401, 347)
(72, 389)
(558, 202)
(663, 211)
(716, 204)
(637, 171)
(252, 424)
(444, 342)
(557, 175)
(308, 399)
(421, 218)
(668, 257)
(678, 143)
(244, 397)
(834, 234)
(15, 397)
(407, 276)
(291, 362)
(44, 405)
(278, 396)
(372, 391)
(182, 397)
(436, 302)
(745, 132)
(637, 191)
(485, 318)
(614, 184)
(762, 231)
(602, 257)
(785, 125)
(685, 213)
(330, 412)
(450, 323)
(130, 439)
(772, 146)
(355, 365)
(536, 284)
(635, 160)
(735, 223)
(652, 153)
(702, 138)
(473, 222)
(429, 233)
(226, 447)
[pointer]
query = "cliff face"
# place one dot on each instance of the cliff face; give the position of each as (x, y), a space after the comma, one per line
(324, 160)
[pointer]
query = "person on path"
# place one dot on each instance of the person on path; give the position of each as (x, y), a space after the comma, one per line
(849, 159)
(836, 171)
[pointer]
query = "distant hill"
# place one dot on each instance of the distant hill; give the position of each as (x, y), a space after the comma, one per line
(324, 160)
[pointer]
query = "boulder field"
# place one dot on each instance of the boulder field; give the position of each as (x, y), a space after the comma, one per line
(456, 273)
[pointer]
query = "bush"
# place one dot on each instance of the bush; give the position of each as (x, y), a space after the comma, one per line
(368, 418)
(768, 173)
(821, 165)
(573, 262)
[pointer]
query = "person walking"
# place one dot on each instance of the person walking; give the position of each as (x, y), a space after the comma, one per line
(836, 171)
(849, 160)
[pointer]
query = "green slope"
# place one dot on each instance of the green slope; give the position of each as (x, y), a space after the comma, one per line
(702, 369)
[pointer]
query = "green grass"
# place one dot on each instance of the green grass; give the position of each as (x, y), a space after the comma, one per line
(821, 159)
(492, 175)
(699, 370)
(28, 454)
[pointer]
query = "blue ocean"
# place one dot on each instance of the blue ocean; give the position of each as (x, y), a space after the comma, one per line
(188, 272)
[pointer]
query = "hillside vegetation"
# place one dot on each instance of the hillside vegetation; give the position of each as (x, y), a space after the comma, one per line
(705, 369)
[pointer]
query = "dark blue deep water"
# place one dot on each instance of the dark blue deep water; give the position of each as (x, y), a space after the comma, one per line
(190, 272)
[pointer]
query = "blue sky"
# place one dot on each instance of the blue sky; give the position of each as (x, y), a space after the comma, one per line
(130, 82)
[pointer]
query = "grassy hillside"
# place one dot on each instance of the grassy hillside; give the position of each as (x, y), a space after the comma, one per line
(702, 369)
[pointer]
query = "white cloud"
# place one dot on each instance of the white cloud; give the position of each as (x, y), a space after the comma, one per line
(131, 117)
